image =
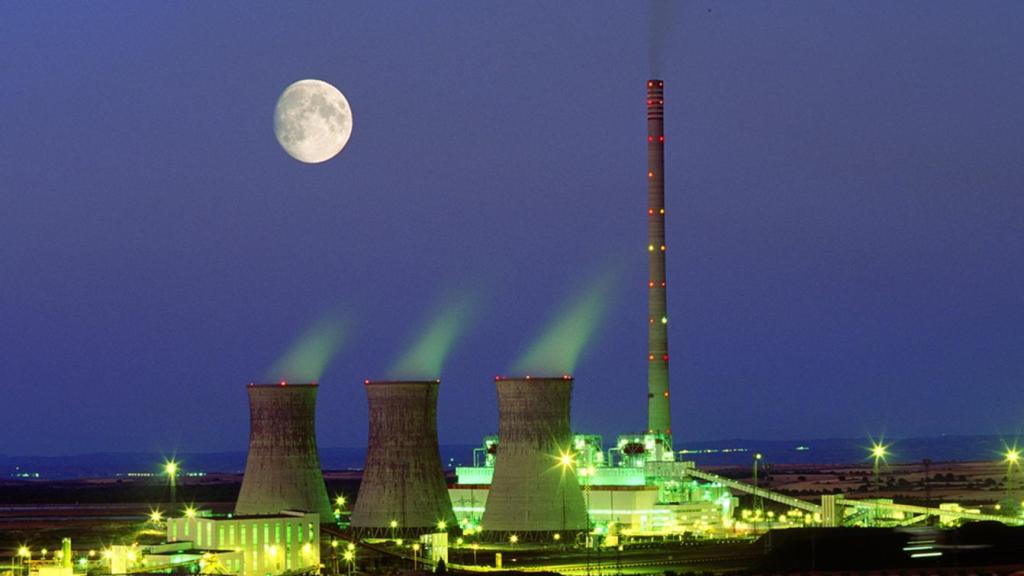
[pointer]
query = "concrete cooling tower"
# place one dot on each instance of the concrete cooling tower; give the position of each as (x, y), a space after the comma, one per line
(282, 471)
(535, 492)
(403, 482)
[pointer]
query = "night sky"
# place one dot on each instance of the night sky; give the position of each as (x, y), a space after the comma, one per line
(845, 213)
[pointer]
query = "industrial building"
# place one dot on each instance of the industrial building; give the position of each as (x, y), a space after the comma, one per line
(282, 469)
(247, 545)
(403, 489)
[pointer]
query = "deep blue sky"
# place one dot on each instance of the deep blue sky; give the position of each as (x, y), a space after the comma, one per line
(846, 220)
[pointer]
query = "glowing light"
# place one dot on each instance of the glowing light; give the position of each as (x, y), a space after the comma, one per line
(394, 524)
(307, 548)
(662, 247)
(664, 320)
(348, 555)
(650, 247)
(513, 539)
(272, 550)
(565, 459)
(340, 501)
(442, 525)
(334, 543)
(24, 552)
(190, 512)
(879, 451)
(156, 516)
(650, 174)
(171, 468)
(557, 536)
(416, 547)
(1012, 456)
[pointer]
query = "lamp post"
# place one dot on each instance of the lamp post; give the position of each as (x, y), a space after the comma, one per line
(415, 555)
(566, 461)
(350, 560)
(1012, 459)
(758, 503)
(171, 469)
(878, 451)
(394, 527)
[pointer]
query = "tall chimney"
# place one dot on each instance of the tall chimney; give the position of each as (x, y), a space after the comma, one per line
(658, 408)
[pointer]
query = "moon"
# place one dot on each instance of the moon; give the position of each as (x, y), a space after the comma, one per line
(312, 121)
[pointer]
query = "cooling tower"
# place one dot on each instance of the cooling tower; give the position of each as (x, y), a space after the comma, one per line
(282, 471)
(534, 491)
(403, 481)
(658, 420)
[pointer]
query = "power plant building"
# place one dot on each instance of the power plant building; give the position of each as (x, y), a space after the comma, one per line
(403, 488)
(282, 470)
(287, 542)
(636, 485)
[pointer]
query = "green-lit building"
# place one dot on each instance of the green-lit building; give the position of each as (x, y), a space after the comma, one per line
(636, 487)
(252, 545)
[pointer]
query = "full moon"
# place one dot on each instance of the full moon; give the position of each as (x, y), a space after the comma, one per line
(312, 121)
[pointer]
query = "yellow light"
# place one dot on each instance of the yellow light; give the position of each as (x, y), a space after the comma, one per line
(513, 538)
(1012, 456)
(272, 550)
(394, 523)
(442, 525)
(557, 536)
(416, 547)
(458, 541)
(565, 459)
(171, 468)
(350, 546)
(307, 548)
(334, 543)
(108, 554)
(131, 556)
(348, 555)
(650, 247)
(340, 501)
(156, 516)
(758, 456)
(190, 512)
(23, 552)
(92, 553)
(879, 450)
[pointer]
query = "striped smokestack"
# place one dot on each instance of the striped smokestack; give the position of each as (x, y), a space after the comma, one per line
(658, 417)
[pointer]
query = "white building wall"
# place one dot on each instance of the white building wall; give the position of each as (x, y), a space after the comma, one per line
(268, 544)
